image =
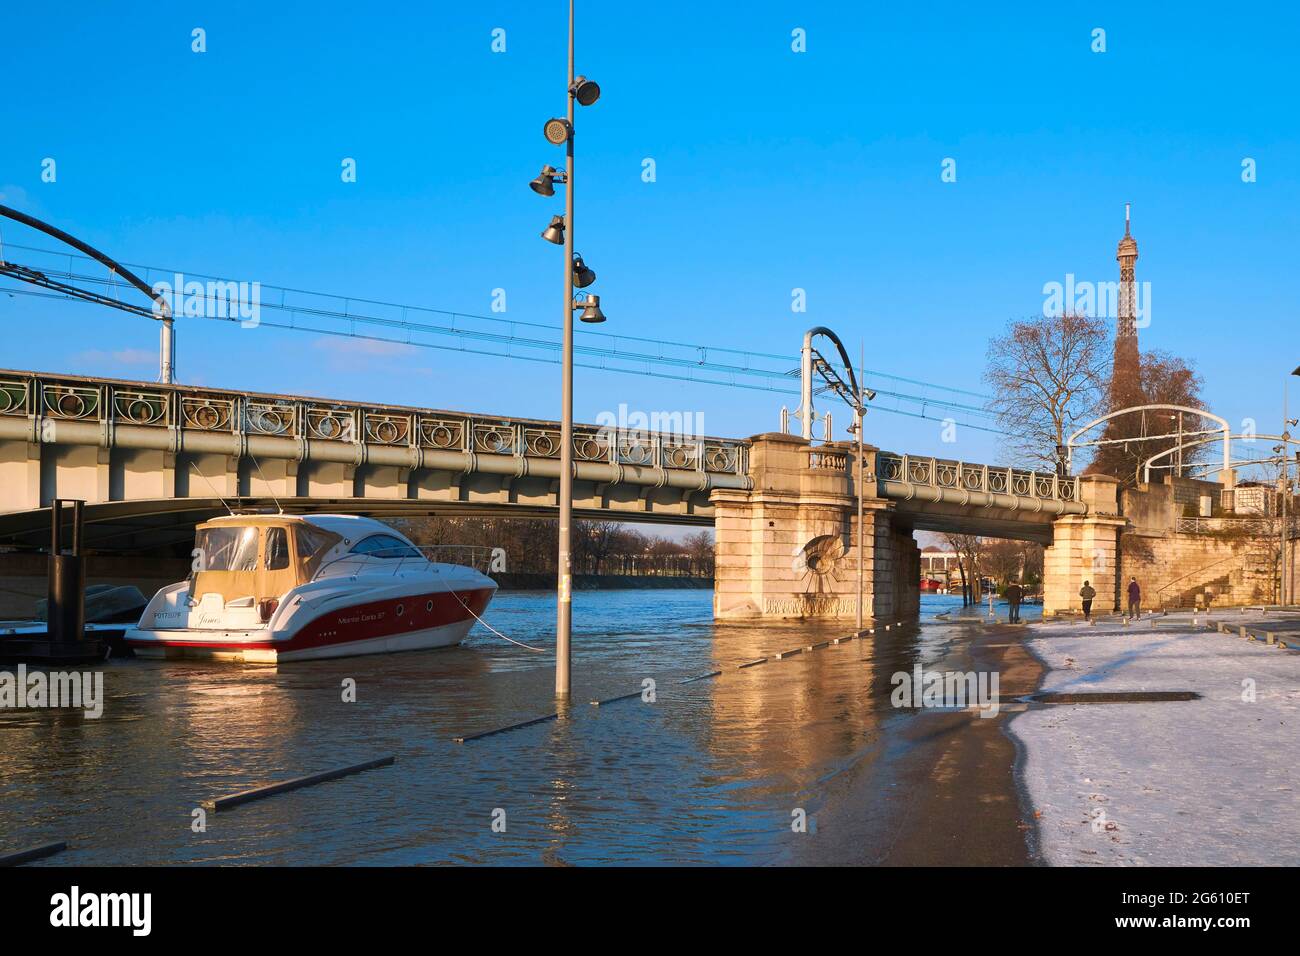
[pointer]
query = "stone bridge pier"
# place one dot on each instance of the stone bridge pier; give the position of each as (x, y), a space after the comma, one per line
(787, 548)
(1086, 548)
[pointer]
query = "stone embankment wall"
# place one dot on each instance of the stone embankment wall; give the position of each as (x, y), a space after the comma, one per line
(1185, 570)
(1185, 559)
(1180, 538)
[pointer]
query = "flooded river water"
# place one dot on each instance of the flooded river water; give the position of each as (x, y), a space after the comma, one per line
(712, 771)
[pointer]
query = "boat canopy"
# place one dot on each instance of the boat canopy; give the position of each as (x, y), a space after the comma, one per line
(257, 556)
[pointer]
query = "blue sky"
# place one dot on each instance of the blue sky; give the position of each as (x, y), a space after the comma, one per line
(775, 170)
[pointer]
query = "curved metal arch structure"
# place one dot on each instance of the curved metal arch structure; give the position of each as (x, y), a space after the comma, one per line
(805, 413)
(1199, 470)
(160, 309)
(1226, 430)
(1147, 465)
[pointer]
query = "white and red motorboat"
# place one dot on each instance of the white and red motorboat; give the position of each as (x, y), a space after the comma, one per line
(273, 588)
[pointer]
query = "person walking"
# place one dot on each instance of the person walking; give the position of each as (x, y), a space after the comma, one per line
(1014, 595)
(1134, 599)
(1087, 592)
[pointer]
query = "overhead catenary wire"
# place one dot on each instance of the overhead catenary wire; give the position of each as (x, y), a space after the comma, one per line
(648, 357)
(925, 405)
(453, 314)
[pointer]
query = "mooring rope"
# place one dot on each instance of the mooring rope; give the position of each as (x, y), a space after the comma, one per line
(539, 650)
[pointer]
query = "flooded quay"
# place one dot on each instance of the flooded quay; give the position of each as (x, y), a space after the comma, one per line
(802, 759)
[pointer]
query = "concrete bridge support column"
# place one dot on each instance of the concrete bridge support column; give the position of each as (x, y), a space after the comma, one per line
(788, 547)
(1085, 548)
(20, 475)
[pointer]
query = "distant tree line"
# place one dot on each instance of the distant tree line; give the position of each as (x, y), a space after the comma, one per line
(599, 547)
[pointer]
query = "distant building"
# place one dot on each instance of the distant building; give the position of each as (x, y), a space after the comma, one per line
(936, 562)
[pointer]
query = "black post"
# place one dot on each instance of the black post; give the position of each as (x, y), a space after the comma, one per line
(66, 610)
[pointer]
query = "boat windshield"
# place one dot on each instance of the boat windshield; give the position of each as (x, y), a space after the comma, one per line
(226, 549)
(313, 544)
(260, 560)
(385, 546)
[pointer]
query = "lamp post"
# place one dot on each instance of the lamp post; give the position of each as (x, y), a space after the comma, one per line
(560, 231)
(1288, 571)
(858, 429)
(859, 416)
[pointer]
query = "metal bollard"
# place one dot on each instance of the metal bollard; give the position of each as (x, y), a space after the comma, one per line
(66, 616)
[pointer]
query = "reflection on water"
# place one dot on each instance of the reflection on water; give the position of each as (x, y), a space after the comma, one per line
(708, 773)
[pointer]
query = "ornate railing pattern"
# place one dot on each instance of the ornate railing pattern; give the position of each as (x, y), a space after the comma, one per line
(1233, 524)
(964, 476)
(214, 410)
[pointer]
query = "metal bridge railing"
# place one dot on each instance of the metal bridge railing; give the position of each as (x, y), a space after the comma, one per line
(964, 476)
(111, 403)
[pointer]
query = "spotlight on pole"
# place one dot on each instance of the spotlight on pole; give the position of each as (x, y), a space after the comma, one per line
(555, 231)
(557, 131)
(585, 91)
(582, 276)
(544, 184)
(591, 310)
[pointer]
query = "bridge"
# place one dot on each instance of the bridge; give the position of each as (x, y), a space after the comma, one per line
(151, 460)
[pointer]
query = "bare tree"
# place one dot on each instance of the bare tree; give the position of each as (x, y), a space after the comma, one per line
(1006, 560)
(699, 546)
(968, 548)
(593, 542)
(1048, 375)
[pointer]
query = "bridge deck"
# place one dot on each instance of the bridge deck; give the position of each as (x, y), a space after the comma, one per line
(151, 459)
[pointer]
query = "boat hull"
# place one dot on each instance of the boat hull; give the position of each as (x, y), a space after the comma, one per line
(406, 623)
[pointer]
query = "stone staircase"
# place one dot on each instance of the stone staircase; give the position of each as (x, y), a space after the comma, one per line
(1243, 578)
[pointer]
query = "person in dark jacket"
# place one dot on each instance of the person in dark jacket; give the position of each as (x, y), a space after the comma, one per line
(1014, 595)
(1087, 592)
(1134, 599)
